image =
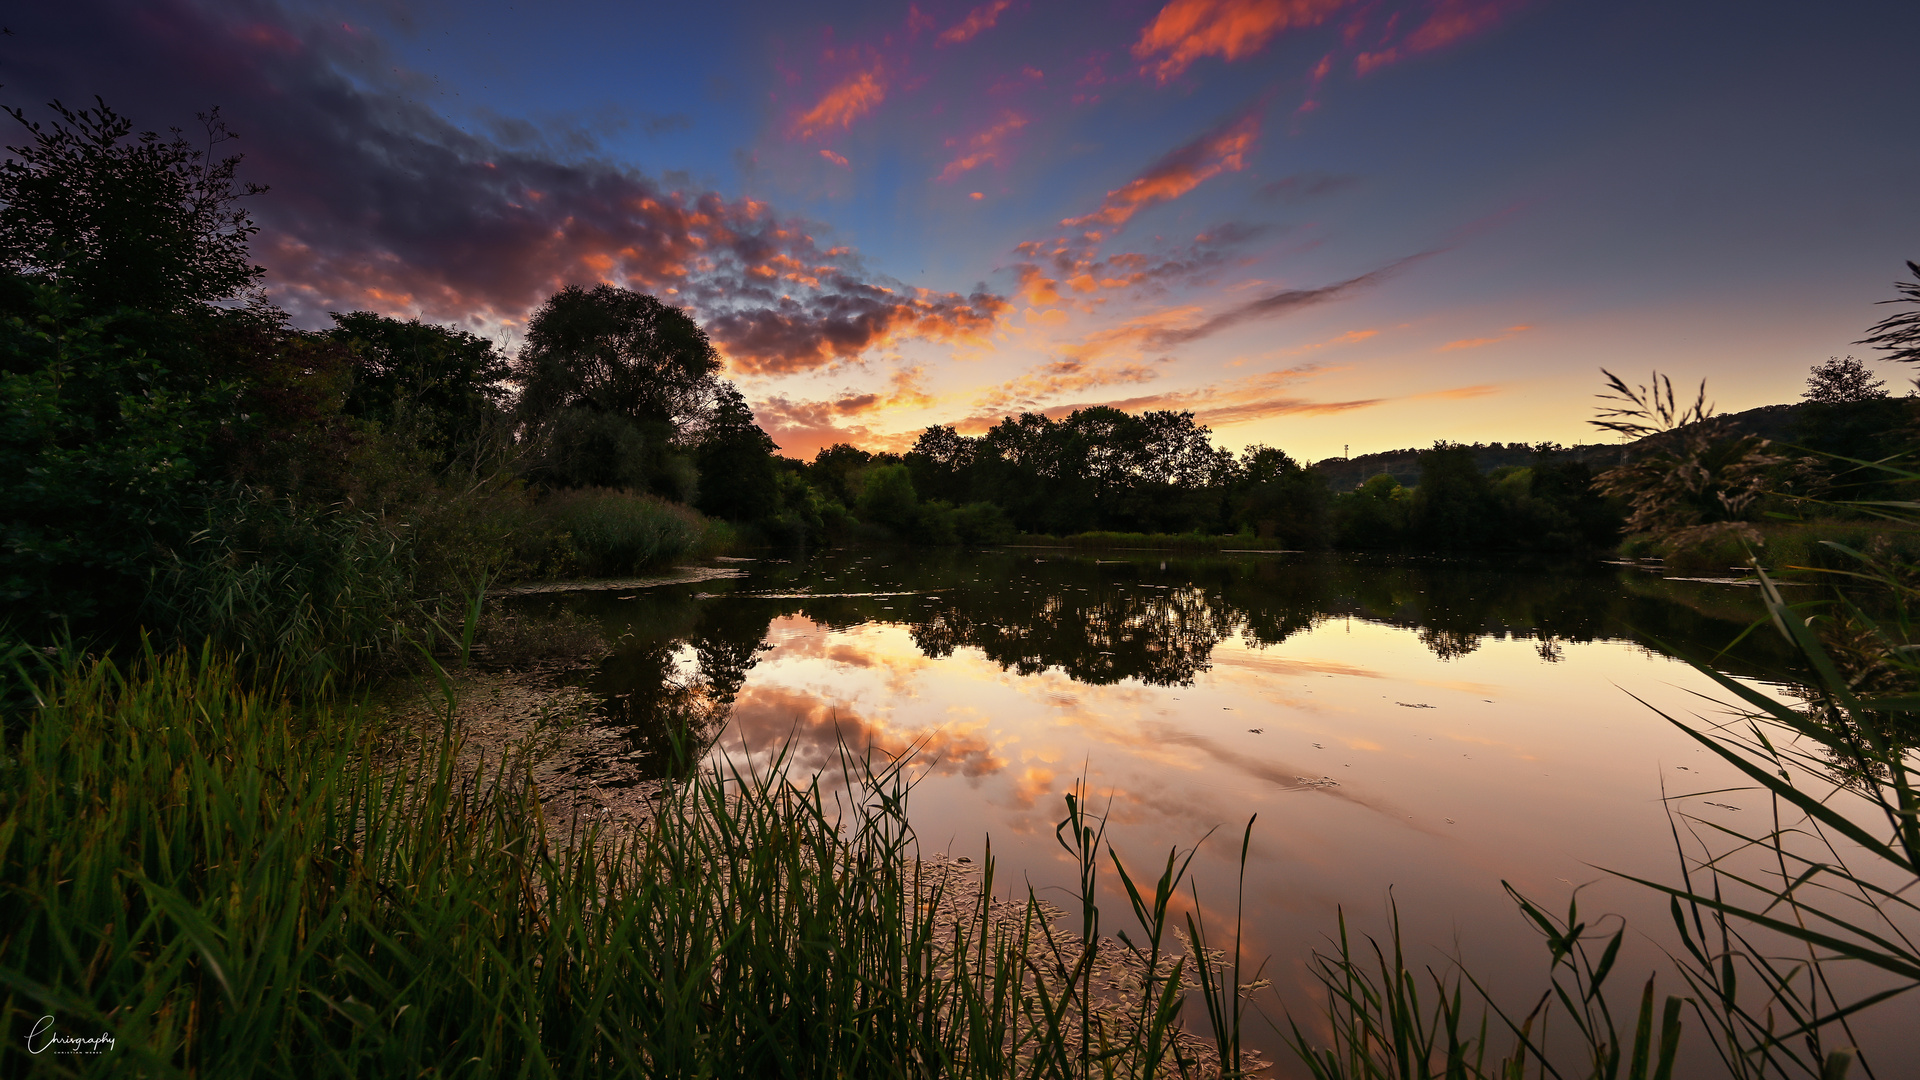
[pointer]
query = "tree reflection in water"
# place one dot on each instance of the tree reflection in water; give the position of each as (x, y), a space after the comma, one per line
(684, 654)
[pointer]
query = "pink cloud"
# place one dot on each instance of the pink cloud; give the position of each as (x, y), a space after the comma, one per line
(1186, 30)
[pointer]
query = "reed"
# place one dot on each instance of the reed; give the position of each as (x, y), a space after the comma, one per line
(231, 885)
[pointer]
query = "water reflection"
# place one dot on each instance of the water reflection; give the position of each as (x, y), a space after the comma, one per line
(685, 652)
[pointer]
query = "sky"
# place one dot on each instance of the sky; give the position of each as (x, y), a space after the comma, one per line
(1315, 224)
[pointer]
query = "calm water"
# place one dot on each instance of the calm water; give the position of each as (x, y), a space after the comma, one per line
(1422, 727)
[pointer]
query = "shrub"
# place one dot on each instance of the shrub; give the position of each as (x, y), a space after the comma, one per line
(302, 594)
(617, 532)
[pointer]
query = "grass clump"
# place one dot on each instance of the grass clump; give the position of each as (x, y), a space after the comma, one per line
(607, 533)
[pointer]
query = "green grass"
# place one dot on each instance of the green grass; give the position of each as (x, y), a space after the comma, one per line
(233, 887)
(611, 533)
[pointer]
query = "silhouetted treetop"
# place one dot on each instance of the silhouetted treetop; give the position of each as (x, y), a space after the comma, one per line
(1842, 382)
(124, 220)
(615, 351)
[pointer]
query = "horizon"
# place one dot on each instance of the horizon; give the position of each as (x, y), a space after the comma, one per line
(1312, 223)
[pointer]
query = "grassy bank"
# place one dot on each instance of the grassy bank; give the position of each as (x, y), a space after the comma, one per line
(228, 886)
(1794, 550)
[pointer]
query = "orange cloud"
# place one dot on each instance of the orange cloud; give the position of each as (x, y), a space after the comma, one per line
(983, 147)
(1474, 343)
(835, 158)
(1039, 289)
(976, 196)
(1461, 392)
(849, 101)
(1186, 30)
(1071, 375)
(1224, 149)
(813, 729)
(978, 20)
(789, 335)
(1450, 21)
(1257, 397)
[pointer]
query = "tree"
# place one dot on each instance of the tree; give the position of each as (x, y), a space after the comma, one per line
(1454, 507)
(616, 351)
(442, 383)
(736, 457)
(1278, 499)
(1899, 334)
(1843, 382)
(124, 221)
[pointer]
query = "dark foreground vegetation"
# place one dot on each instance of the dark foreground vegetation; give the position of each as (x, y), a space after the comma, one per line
(213, 864)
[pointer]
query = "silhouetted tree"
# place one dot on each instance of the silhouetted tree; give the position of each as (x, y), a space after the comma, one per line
(1454, 508)
(616, 351)
(1842, 382)
(444, 383)
(630, 360)
(126, 221)
(736, 460)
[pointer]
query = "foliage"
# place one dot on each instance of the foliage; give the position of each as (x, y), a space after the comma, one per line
(1696, 479)
(296, 595)
(611, 533)
(737, 458)
(1899, 334)
(125, 221)
(417, 374)
(1275, 498)
(100, 460)
(1842, 382)
(614, 351)
(1389, 1022)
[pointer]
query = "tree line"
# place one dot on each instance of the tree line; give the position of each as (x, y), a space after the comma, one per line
(175, 452)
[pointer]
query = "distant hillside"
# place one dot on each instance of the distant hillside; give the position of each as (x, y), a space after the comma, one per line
(1774, 422)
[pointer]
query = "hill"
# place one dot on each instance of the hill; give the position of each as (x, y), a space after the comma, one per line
(1776, 422)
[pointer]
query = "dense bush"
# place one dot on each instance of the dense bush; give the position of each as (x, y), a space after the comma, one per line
(609, 533)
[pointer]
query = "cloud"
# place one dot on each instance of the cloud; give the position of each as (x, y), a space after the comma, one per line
(1075, 262)
(854, 97)
(1239, 401)
(813, 730)
(803, 427)
(1459, 393)
(978, 20)
(1474, 343)
(1223, 149)
(846, 319)
(1308, 185)
(983, 147)
(1071, 375)
(835, 158)
(1186, 30)
(1284, 302)
(378, 202)
(1451, 20)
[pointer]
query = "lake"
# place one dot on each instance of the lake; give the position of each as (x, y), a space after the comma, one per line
(1419, 730)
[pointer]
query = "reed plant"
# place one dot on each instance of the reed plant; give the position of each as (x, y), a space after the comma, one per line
(230, 885)
(610, 533)
(300, 595)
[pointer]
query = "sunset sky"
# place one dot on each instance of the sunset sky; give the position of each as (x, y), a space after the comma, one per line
(1313, 223)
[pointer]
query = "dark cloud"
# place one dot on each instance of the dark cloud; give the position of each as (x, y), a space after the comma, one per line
(1307, 185)
(380, 202)
(1284, 302)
